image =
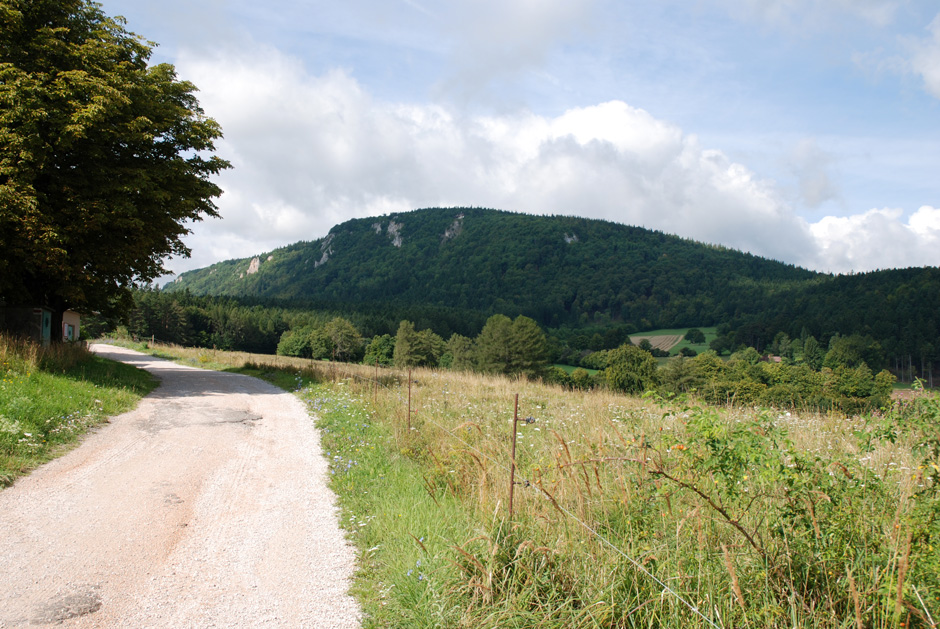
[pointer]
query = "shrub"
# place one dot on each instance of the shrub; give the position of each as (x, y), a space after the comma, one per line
(631, 370)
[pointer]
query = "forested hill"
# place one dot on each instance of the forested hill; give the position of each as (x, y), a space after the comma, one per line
(558, 270)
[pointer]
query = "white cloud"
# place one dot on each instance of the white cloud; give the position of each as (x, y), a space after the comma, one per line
(879, 239)
(877, 12)
(312, 151)
(925, 222)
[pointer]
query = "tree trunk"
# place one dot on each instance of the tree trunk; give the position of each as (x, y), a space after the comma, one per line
(57, 315)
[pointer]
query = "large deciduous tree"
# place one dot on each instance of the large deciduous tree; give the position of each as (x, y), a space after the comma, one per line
(104, 159)
(381, 350)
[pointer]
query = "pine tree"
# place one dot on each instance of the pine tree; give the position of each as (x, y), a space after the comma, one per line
(528, 348)
(493, 346)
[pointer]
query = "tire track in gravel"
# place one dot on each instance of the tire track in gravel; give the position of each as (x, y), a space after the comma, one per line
(207, 506)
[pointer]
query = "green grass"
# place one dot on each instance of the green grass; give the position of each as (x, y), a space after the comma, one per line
(49, 398)
(569, 369)
(403, 522)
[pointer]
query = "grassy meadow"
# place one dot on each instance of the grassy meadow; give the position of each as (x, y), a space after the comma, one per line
(50, 397)
(626, 512)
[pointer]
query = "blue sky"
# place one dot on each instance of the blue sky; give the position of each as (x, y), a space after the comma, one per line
(801, 130)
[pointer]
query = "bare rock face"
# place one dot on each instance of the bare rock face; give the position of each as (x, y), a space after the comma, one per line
(326, 249)
(254, 266)
(454, 230)
(394, 232)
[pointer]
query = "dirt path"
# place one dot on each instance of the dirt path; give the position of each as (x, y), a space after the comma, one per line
(205, 507)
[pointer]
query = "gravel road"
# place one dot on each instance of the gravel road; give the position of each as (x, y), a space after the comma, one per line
(205, 507)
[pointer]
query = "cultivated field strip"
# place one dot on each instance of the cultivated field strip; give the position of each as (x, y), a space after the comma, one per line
(664, 342)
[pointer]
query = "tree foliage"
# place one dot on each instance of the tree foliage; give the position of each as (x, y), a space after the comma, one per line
(345, 340)
(295, 342)
(631, 370)
(417, 348)
(746, 380)
(494, 345)
(381, 350)
(459, 353)
(102, 158)
(507, 347)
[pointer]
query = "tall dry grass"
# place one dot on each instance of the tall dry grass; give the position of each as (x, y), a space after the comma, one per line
(757, 517)
(15, 350)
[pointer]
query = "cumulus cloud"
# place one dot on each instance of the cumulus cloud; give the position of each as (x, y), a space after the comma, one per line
(879, 239)
(312, 151)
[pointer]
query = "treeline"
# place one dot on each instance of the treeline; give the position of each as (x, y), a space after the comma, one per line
(896, 308)
(504, 346)
(450, 338)
(845, 374)
(257, 325)
(838, 378)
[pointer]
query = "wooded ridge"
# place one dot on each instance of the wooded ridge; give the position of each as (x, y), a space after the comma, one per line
(557, 270)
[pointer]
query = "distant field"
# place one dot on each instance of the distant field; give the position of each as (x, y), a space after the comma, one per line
(664, 342)
(671, 340)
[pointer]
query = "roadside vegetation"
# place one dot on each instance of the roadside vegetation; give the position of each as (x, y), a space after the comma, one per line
(628, 511)
(632, 512)
(50, 397)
